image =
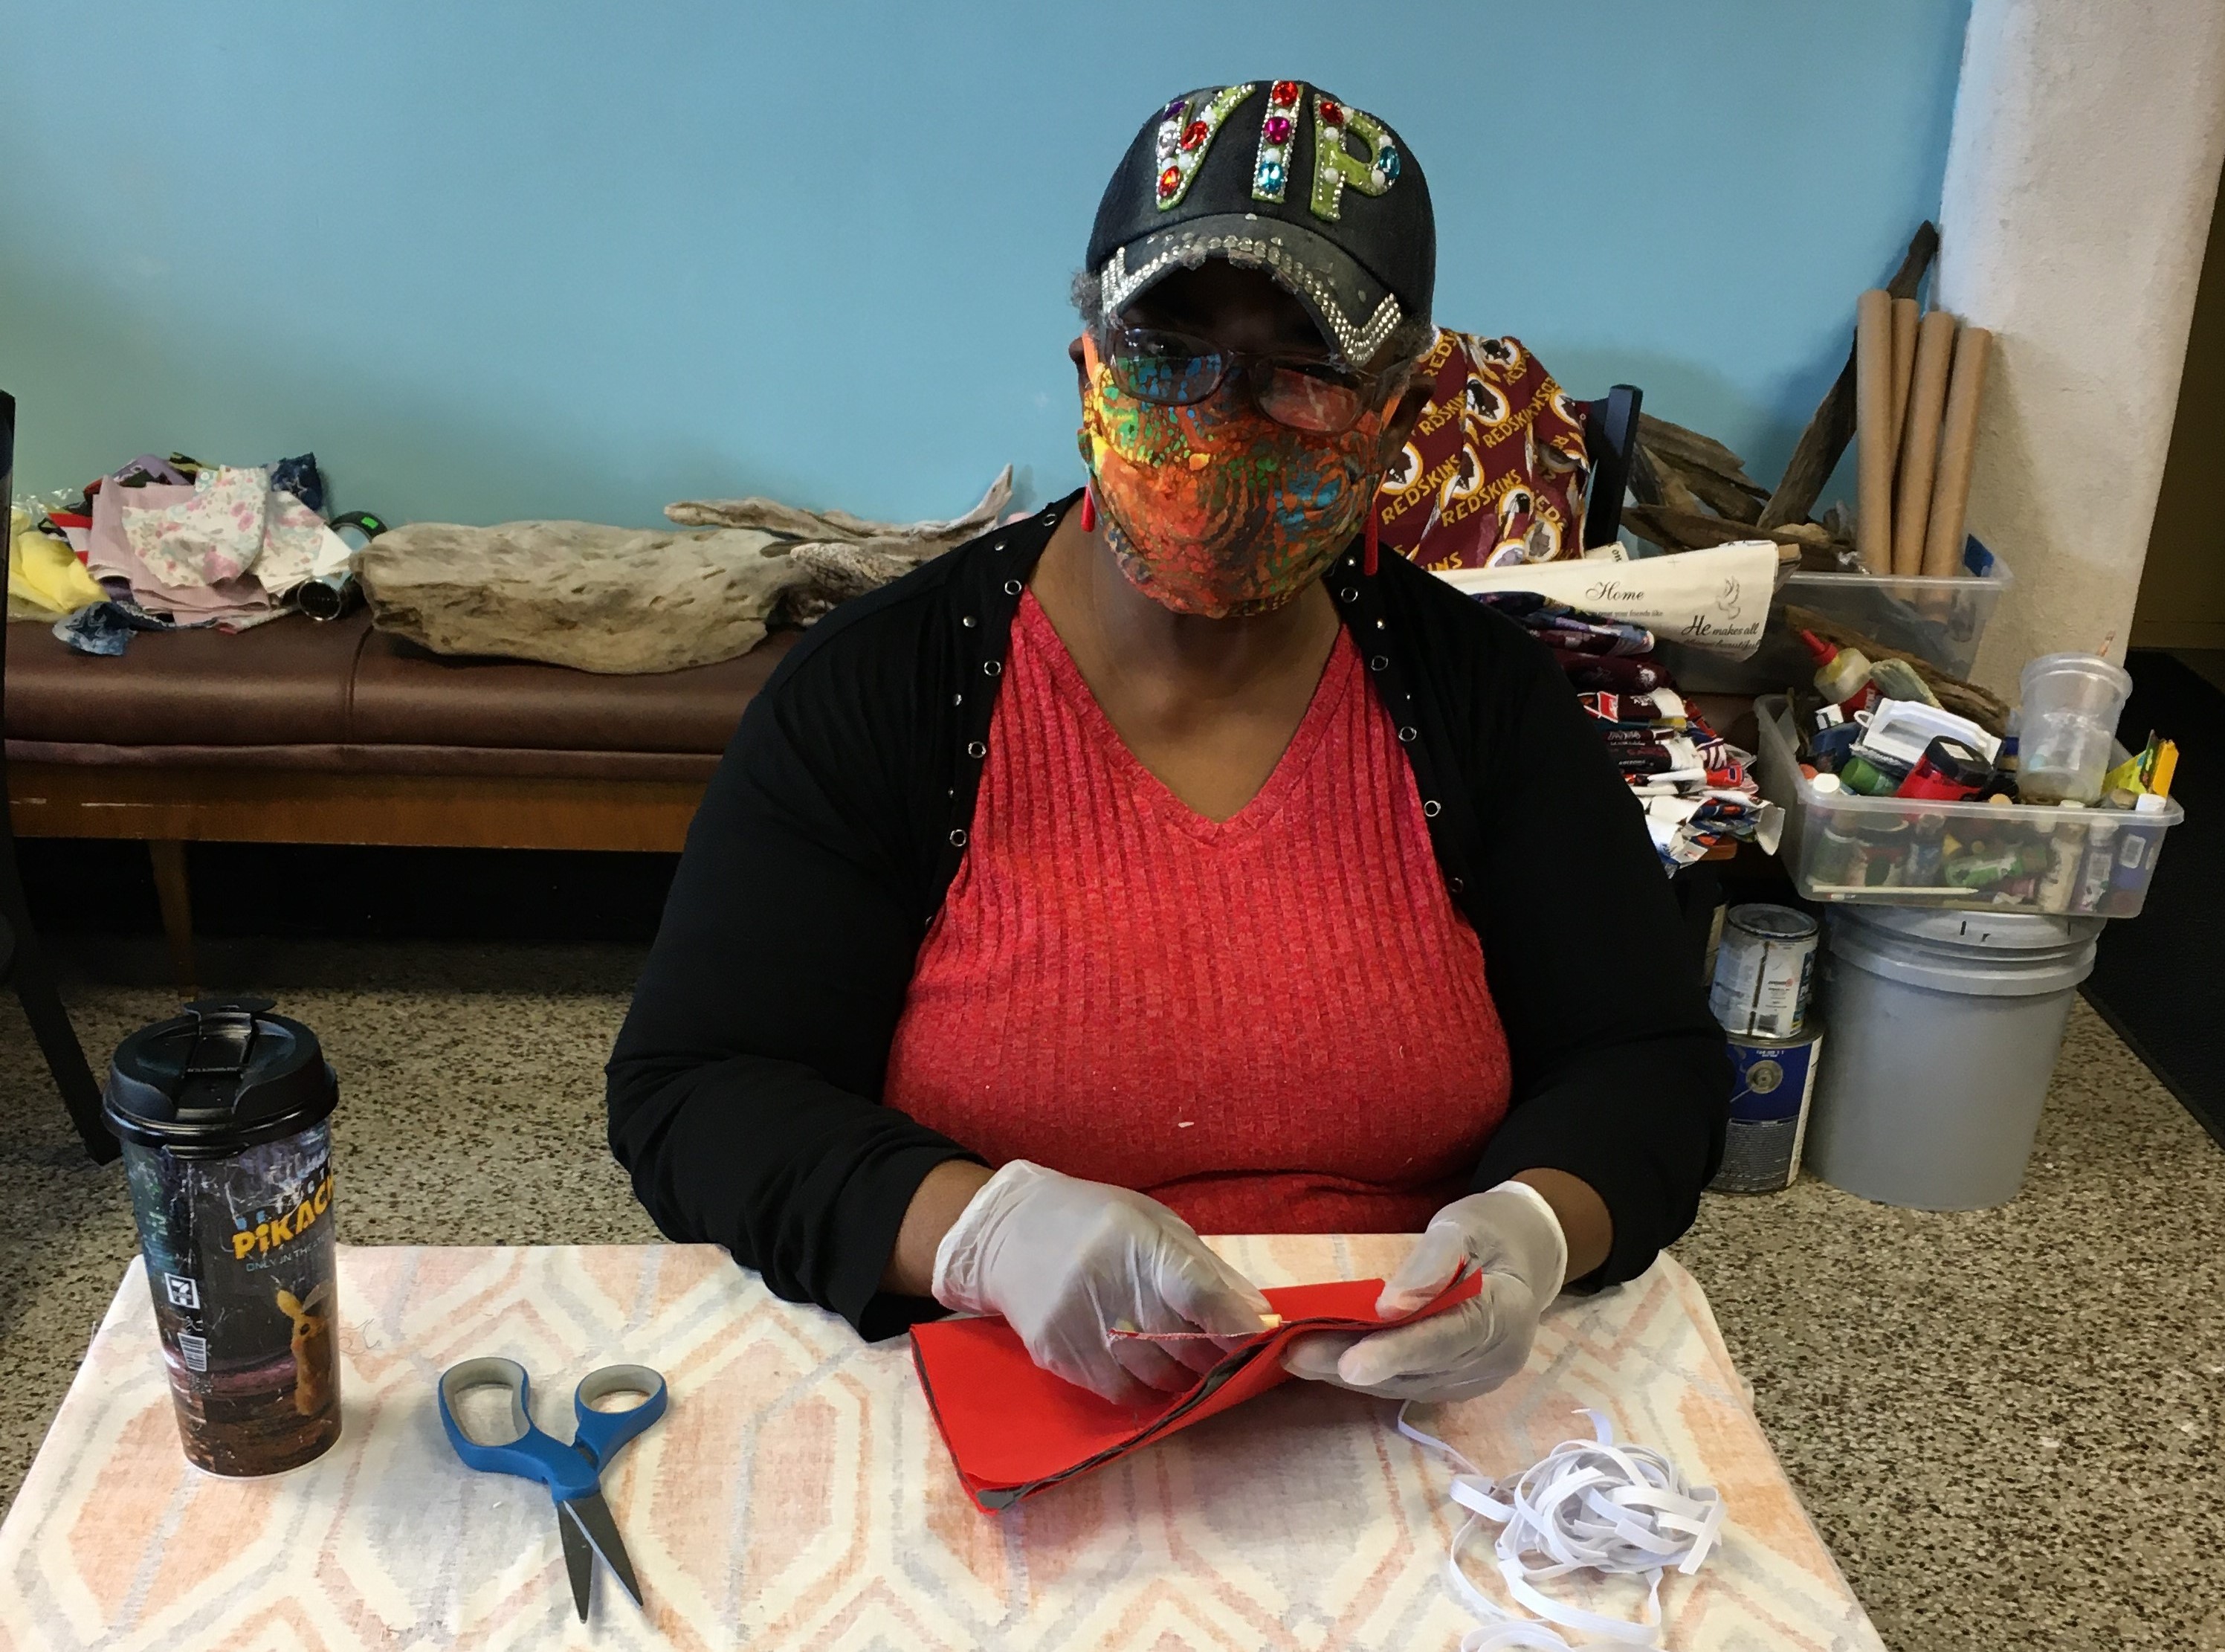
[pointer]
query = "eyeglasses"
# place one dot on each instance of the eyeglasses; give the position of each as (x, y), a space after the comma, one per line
(1171, 369)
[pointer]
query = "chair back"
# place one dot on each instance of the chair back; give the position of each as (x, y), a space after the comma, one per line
(1610, 442)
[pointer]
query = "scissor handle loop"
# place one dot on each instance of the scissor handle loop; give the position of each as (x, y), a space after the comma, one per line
(602, 1434)
(530, 1453)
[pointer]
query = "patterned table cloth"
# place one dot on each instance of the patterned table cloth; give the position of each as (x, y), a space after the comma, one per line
(797, 1495)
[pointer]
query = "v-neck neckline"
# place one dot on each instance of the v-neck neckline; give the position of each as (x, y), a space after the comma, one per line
(1033, 629)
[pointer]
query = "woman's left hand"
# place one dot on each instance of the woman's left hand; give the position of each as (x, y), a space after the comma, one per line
(1511, 1236)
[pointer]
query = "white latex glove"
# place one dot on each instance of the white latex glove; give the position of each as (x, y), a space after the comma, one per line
(1065, 1261)
(1513, 1236)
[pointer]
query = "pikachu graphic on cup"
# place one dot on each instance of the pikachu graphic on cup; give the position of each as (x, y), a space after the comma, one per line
(313, 1348)
(224, 1113)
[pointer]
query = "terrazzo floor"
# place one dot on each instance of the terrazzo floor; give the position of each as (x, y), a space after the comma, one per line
(2008, 1424)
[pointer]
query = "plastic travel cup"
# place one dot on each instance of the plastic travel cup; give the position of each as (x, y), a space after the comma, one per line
(224, 1113)
(2071, 703)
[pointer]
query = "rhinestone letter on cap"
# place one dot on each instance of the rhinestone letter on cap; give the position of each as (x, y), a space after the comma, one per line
(1334, 166)
(1186, 132)
(1278, 132)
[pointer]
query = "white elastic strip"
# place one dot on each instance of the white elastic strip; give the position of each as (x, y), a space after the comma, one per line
(1586, 1505)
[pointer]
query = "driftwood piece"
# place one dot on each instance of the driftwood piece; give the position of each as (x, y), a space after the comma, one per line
(1690, 449)
(1817, 452)
(579, 593)
(1644, 481)
(1674, 529)
(1837, 556)
(911, 542)
(1710, 487)
(1675, 493)
(1982, 706)
(1710, 471)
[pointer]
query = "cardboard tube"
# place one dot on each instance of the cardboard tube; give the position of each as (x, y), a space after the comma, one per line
(1905, 314)
(1958, 437)
(1874, 443)
(1919, 441)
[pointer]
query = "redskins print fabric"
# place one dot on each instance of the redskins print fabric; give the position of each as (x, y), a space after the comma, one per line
(1216, 509)
(1495, 470)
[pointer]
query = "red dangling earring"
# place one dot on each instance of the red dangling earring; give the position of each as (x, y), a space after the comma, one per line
(1367, 557)
(1089, 509)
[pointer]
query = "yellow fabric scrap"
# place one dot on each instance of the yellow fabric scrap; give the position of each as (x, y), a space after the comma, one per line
(43, 572)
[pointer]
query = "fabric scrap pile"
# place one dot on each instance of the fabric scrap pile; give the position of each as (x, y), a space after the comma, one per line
(45, 578)
(172, 544)
(1494, 474)
(1697, 788)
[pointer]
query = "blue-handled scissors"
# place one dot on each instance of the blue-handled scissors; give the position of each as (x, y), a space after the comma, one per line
(573, 1473)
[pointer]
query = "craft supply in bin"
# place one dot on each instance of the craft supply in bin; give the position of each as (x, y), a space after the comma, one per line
(1843, 848)
(2070, 706)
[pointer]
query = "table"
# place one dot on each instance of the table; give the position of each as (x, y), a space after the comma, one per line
(797, 1495)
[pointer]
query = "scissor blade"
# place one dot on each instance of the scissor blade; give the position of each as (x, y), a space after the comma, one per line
(578, 1559)
(594, 1517)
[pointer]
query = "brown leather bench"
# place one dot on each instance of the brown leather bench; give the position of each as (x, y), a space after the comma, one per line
(298, 732)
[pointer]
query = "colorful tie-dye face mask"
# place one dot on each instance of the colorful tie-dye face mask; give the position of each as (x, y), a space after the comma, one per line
(1215, 509)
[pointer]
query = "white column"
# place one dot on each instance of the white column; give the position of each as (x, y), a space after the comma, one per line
(2080, 176)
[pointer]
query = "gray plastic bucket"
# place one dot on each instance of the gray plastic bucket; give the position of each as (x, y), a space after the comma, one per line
(1944, 1030)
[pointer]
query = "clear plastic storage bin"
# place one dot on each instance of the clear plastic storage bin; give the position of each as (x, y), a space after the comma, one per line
(1919, 852)
(1941, 620)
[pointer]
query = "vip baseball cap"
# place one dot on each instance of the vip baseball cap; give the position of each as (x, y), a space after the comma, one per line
(1285, 177)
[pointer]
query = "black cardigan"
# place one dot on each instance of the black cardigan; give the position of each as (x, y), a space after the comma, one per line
(744, 1088)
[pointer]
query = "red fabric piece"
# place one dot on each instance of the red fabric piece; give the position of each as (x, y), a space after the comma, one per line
(1278, 1023)
(1014, 1429)
(1495, 470)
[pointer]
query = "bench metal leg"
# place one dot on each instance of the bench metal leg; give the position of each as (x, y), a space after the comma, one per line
(50, 1024)
(173, 890)
(33, 981)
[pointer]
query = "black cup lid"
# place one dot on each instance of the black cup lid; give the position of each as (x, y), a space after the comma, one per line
(223, 1075)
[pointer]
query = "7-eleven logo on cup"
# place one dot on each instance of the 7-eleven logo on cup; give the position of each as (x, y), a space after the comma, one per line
(183, 1292)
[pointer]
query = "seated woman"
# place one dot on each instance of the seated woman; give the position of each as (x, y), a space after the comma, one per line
(1162, 864)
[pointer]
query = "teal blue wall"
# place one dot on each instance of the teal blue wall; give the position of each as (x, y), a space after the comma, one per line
(578, 258)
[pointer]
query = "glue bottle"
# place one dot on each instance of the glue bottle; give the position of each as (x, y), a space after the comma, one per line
(1842, 674)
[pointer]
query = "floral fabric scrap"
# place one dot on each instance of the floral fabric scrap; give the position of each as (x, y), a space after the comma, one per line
(235, 524)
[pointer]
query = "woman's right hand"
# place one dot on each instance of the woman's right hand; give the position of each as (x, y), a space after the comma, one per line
(1065, 1261)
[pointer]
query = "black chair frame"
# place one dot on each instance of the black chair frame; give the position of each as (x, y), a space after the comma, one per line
(1611, 441)
(23, 963)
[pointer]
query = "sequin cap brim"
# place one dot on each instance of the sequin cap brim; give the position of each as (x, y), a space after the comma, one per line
(1355, 312)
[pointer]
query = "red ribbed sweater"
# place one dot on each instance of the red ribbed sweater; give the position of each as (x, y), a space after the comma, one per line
(1274, 1023)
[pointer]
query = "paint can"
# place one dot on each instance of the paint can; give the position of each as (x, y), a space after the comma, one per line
(1886, 845)
(1927, 851)
(1839, 855)
(2066, 855)
(1764, 970)
(1775, 1079)
(2093, 890)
